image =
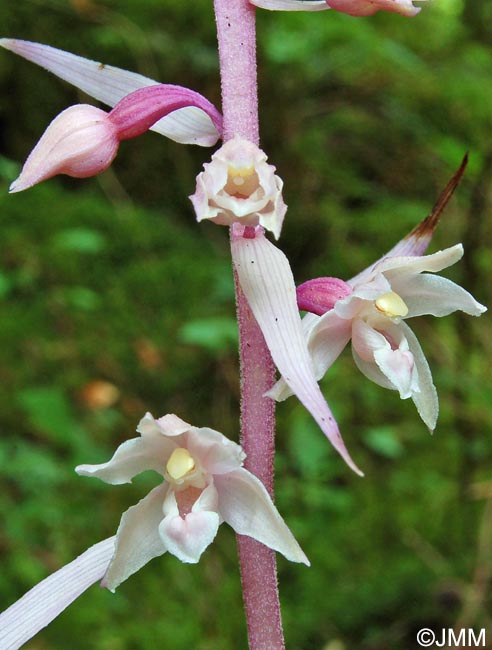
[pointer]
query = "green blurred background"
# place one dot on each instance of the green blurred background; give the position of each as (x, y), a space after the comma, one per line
(114, 301)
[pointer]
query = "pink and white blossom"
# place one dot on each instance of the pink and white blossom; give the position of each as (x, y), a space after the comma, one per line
(372, 314)
(238, 185)
(350, 7)
(204, 485)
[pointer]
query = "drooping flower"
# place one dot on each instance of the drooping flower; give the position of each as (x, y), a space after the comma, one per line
(238, 185)
(266, 280)
(204, 485)
(370, 309)
(83, 140)
(190, 124)
(350, 7)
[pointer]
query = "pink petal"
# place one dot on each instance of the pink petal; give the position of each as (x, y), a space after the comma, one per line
(266, 279)
(44, 602)
(141, 109)
(247, 507)
(191, 125)
(137, 538)
(80, 142)
(169, 425)
(188, 537)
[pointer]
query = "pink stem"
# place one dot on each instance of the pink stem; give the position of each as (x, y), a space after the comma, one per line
(237, 51)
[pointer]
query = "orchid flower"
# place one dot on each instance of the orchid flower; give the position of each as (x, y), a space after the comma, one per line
(204, 485)
(350, 7)
(370, 309)
(239, 186)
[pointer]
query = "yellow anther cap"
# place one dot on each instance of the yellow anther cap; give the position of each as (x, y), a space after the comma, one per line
(392, 305)
(180, 463)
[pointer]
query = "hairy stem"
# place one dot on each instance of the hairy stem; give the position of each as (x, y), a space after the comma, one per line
(237, 52)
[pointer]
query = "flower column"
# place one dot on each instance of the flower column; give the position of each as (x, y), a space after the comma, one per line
(237, 51)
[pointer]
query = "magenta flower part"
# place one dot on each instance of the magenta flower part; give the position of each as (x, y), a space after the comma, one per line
(108, 84)
(140, 110)
(320, 295)
(350, 7)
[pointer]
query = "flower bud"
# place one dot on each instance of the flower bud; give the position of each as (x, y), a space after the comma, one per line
(81, 141)
(238, 185)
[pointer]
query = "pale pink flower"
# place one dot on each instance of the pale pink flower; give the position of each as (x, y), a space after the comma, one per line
(204, 485)
(238, 185)
(350, 7)
(371, 309)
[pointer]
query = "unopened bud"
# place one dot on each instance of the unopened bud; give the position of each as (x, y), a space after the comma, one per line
(81, 141)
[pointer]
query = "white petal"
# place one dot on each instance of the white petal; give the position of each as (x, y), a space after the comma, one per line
(426, 399)
(366, 340)
(266, 279)
(326, 340)
(395, 266)
(398, 365)
(434, 295)
(216, 453)
(188, 537)
(109, 85)
(291, 5)
(245, 505)
(44, 602)
(137, 538)
(371, 370)
(131, 458)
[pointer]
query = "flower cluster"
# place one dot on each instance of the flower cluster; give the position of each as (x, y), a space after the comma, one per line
(204, 482)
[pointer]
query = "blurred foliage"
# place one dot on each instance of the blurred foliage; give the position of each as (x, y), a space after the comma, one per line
(115, 302)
